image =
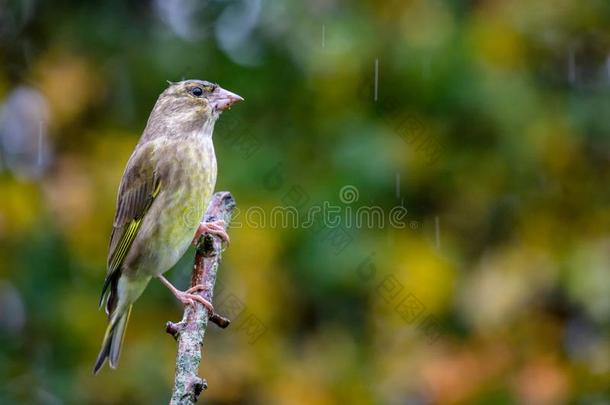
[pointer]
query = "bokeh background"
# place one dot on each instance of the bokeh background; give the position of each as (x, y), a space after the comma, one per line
(488, 121)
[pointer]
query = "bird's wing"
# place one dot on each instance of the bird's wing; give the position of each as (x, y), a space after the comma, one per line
(139, 187)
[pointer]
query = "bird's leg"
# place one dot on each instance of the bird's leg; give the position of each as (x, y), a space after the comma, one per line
(214, 227)
(187, 297)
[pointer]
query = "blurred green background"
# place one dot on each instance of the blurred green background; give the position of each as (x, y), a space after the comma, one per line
(488, 121)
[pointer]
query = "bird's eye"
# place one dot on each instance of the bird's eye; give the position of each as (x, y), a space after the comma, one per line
(197, 91)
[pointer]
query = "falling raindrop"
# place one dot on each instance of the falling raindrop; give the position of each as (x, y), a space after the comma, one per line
(376, 79)
(397, 185)
(437, 233)
(571, 66)
(323, 35)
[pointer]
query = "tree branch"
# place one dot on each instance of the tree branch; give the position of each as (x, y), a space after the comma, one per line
(190, 331)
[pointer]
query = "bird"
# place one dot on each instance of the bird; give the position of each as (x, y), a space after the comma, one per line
(164, 191)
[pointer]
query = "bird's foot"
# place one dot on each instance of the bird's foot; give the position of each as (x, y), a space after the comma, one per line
(213, 227)
(187, 297)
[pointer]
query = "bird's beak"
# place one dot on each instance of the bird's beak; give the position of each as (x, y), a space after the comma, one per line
(222, 99)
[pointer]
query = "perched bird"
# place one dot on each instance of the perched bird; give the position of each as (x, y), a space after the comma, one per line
(164, 191)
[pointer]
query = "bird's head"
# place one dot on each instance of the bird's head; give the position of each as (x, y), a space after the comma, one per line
(192, 104)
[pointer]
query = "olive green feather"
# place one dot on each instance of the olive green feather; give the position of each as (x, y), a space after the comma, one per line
(139, 187)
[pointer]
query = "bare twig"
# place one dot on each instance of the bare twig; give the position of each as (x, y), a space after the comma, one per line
(189, 332)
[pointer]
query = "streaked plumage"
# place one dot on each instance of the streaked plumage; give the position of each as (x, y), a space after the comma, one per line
(166, 186)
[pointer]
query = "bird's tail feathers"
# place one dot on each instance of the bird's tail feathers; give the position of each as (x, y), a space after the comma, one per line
(113, 340)
(109, 291)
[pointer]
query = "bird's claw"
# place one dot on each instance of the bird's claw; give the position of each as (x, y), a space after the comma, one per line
(198, 287)
(188, 298)
(213, 227)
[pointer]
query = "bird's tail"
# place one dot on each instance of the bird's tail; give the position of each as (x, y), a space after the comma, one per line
(113, 339)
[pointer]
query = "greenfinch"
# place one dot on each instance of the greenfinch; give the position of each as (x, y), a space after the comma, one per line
(164, 191)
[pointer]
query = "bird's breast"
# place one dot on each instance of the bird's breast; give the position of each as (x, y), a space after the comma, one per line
(191, 177)
(188, 178)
